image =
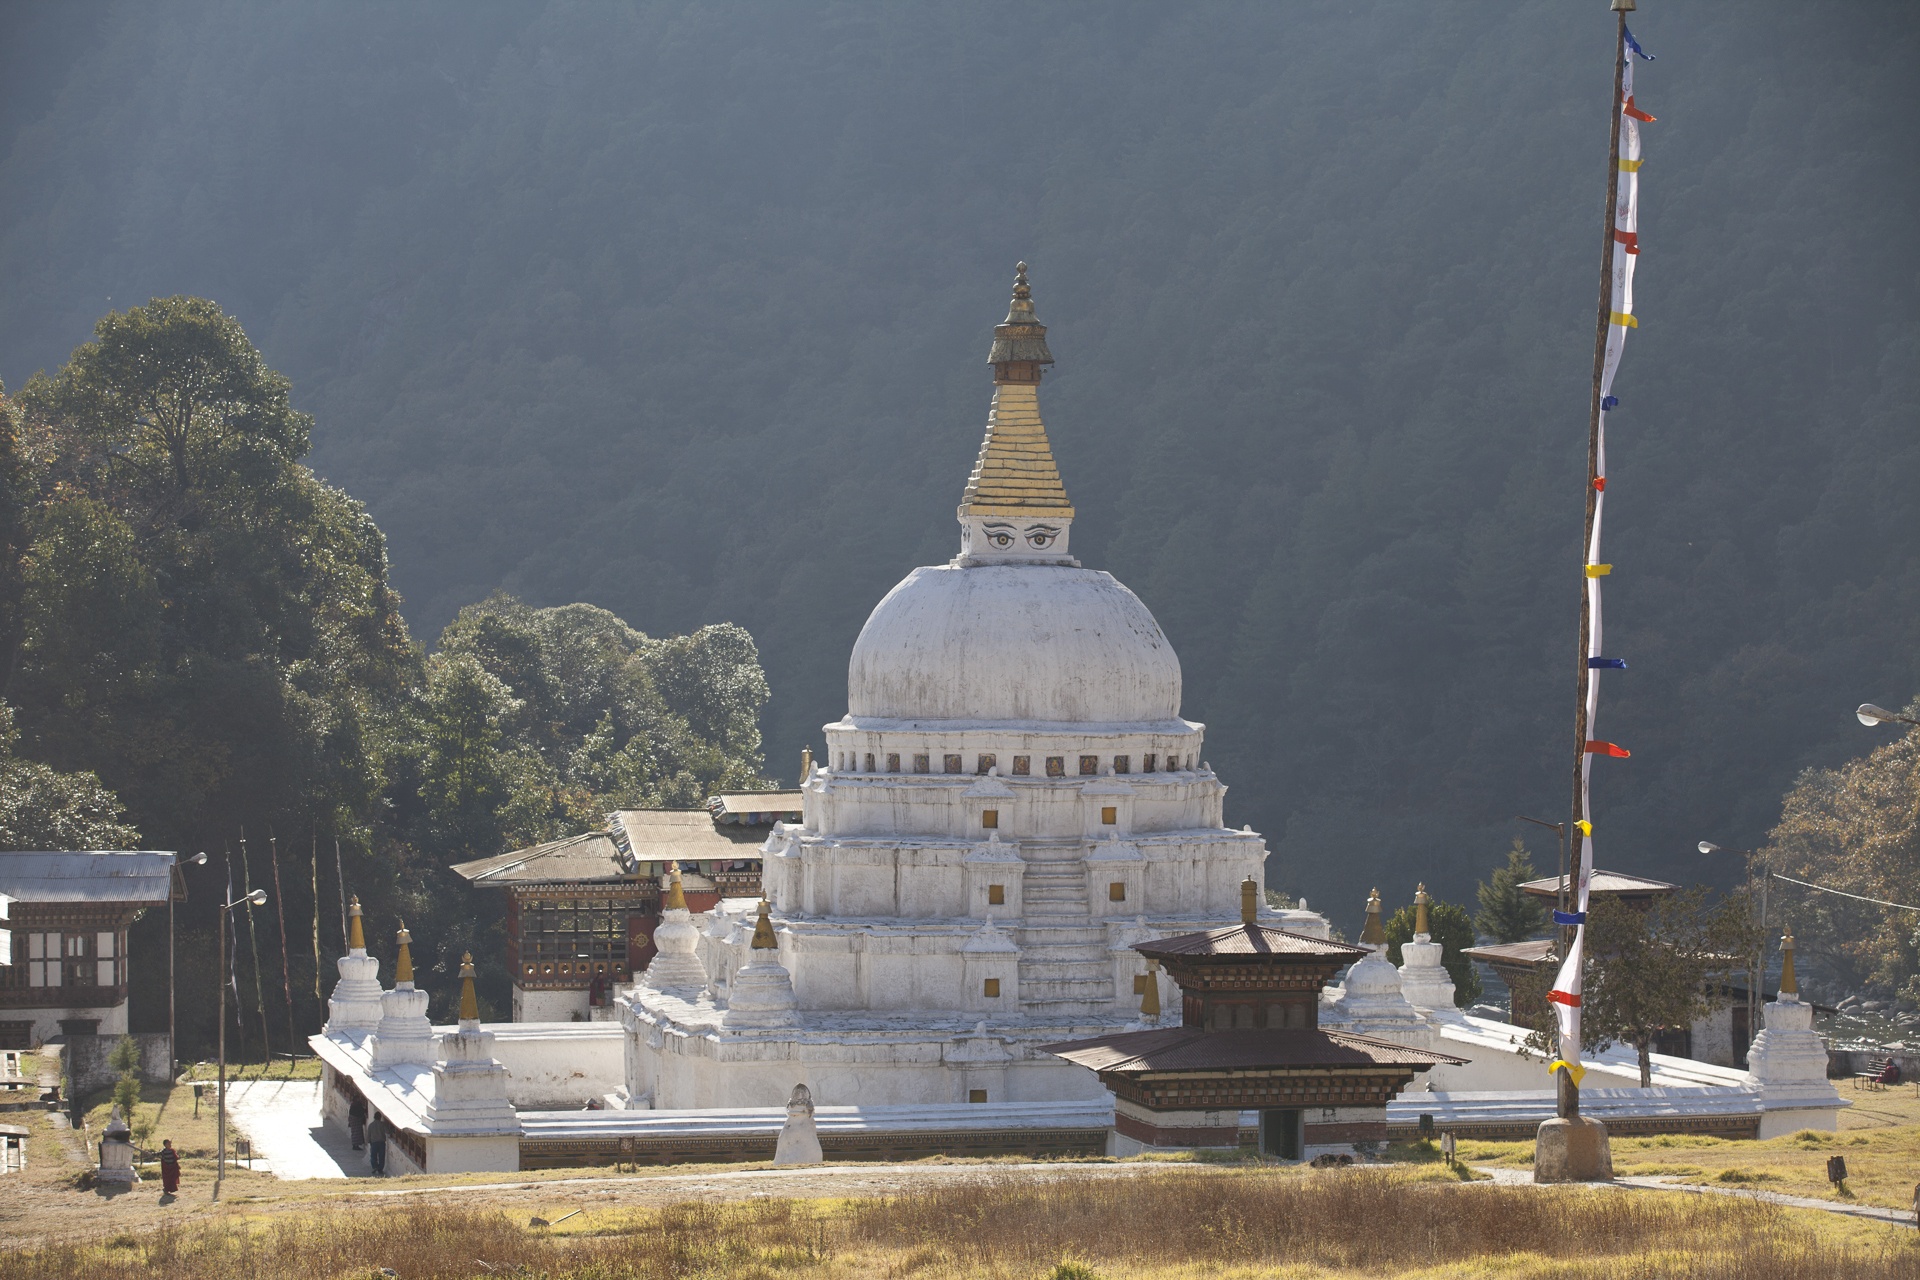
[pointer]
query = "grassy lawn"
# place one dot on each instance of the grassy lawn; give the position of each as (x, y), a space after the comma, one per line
(1879, 1136)
(1177, 1224)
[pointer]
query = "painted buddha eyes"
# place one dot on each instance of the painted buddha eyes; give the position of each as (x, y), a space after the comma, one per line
(1039, 536)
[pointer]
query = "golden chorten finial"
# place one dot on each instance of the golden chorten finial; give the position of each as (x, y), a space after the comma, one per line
(403, 966)
(676, 899)
(806, 764)
(763, 939)
(1789, 984)
(1249, 901)
(1373, 935)
(1150, 993)
(1015, 475)
(356, 936)
(469, 1003)
(1420, 901)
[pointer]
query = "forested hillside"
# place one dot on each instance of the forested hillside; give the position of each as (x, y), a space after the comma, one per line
(682, 308)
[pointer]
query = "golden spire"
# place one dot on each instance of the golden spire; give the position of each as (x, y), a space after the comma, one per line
(806, 764)
(1015, 475)
(1420, 901)
(356, 936)
(675, 899)
(469, 1003)
(763, 939)
(1249, 901)
(1373, 935)
(1789, 985)
(403, 967)
(1150, 993)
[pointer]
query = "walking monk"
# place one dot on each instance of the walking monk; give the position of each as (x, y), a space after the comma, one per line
(169, 1168)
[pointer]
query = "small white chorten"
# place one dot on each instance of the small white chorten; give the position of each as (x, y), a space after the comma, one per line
(762, 992)
(354, 1009)
(676, 969)
(1372, 1003)
(1424, 980)
(799, 1141)
(469, 1099)
(404, 1033)
(1788, 1063)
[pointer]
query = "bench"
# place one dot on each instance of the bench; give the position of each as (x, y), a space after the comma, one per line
(1870, 1078)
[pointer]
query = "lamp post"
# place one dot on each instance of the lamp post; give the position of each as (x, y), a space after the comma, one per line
(1871, 715)
(1759, 969)
(257, 897)
(1558, 829)
(177, 891)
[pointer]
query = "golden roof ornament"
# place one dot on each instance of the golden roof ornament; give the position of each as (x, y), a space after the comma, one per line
(763, 939)
(1150, 992)
(469, 1003)
(1789, 984)
(806, 764)
(1420, 901)
(676, 899)
(1249, 901)
(403, 966)
(1015, 475)
(1373, 935)
(356, 936)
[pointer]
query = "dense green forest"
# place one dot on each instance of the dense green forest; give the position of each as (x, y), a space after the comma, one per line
(681, 309)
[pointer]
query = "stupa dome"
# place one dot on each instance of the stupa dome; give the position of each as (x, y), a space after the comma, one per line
(1013, 642)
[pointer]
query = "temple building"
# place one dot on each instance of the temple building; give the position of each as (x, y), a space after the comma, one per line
(581, 911)
(1249, 1040)
(1011, 801)
(66, 921)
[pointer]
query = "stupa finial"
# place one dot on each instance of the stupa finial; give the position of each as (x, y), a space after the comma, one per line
(356, 935)
(1150, 993)
(1249, 901)
(763, 939)
(1420, 901)
(469, 1003)
(403, 966)
(1373, 935)
(1789, 984)
(676, 898)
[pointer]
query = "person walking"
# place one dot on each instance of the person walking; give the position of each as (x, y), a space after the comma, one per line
(357, 1122)
(377, 1144)
(169, 1168)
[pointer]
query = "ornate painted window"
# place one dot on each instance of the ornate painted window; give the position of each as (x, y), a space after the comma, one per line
(573, 941)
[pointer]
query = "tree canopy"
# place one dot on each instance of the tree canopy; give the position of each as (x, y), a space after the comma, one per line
(1507, 914)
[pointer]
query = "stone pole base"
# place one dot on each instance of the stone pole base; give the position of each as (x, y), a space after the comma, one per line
(1573, 1150)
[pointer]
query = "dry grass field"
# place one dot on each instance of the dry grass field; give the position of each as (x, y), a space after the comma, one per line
(1176, 1223)
(1879, 1136)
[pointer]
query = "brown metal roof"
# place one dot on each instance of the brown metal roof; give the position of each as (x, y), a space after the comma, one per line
(587, 858)
(755, 808)
(1249, 940)
(682, 835)
(1191, 1049)
(634, 836)
(1610, 882)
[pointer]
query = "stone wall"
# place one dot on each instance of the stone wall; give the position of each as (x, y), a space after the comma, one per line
(85, 1065)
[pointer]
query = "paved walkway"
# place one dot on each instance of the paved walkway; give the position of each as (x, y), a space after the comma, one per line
(1875, 1213)
(282, 1118)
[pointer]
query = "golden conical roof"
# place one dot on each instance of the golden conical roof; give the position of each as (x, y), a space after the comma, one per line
(1015, 475)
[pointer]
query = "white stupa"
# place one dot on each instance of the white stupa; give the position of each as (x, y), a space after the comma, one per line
(1012, 797)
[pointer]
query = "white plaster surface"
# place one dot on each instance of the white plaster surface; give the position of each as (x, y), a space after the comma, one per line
(282, 1119)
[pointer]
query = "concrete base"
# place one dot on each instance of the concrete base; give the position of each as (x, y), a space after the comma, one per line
(1572, 1151)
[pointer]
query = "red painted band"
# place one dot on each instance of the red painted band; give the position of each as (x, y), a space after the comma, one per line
(1562, 997)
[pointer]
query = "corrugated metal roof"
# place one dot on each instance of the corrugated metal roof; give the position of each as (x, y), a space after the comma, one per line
(1249, 940)
(686, 836)
(1538, 951)
(103, 876)
(1617, 882)
(757, 808)
(1191, 1049)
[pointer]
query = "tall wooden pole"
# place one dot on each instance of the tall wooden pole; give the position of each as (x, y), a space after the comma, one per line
(1569, 1097)
(253, 942)
(286, 971)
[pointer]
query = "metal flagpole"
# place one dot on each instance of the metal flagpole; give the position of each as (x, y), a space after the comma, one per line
(1569, 1092)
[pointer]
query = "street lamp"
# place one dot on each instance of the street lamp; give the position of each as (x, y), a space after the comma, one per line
(179, 891)
(1559, 829)
(1759, 970)
(1871, 715)
(258, 898)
